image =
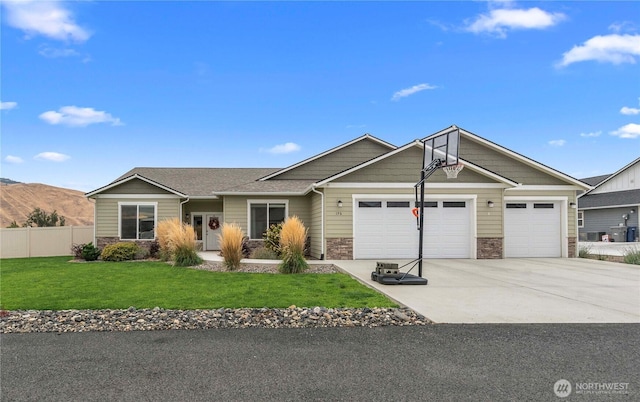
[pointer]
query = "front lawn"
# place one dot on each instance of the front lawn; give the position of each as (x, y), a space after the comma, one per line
(54, 283)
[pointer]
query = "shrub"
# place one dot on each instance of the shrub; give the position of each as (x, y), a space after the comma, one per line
(76, 250)
(632, 256)
(231, 241)
(90, 252)
(264, 253)
(154, 249)
(584, 251)
(177, 242)
(272, 238)
(122, 251)
(292, 243)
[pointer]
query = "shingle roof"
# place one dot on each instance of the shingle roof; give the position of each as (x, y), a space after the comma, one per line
(617, 198)
(595, 180)
(201, 182)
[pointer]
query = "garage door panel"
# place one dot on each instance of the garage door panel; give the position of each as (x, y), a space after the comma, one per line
(532, 229)
(391, 231)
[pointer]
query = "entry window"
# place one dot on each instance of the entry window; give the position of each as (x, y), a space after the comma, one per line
(137, 221)
(543, 206)
(516, 205)
(263, 215)
(454, 204)
(398, 204)
(370, 204)
(580, 219)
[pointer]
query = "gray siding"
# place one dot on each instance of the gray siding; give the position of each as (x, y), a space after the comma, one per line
(504, 165)
(107, 213)
(336, 162)
(202, 206)
(601, 220)
(315, 231)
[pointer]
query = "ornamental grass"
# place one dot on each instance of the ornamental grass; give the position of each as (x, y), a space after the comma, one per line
(230, 238)
(178, 243)
(293, 237)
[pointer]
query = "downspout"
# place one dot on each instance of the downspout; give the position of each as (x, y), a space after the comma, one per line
(313, 188)
(181, 204)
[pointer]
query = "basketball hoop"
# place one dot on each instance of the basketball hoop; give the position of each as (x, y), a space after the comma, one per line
(453, 170)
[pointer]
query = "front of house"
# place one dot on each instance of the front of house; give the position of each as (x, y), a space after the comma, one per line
(356, 200)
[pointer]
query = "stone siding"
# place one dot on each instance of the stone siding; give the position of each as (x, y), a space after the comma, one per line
(340, 248)
(101, 242)
(489, 248)
(572, 251)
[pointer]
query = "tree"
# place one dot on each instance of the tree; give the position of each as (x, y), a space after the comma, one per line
(41, 218)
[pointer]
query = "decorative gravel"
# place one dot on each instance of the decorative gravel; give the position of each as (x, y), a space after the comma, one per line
(132, 319)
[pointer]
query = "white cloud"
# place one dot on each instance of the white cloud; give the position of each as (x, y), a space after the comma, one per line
(52, 53)
(13, 159)
(557, 143)
(629, 110)
(624, 26)
(630, 130)
(8, 105)
(51, 156)
(410, 91)
(499, 21)
(79, 117)
(285, 148)
(591, 135)
(616, 49)
(46, 18)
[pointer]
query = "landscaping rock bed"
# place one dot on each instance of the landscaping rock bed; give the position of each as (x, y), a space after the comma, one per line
(157, 318)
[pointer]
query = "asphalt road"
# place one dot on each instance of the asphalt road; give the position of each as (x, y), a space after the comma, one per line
(438, 362)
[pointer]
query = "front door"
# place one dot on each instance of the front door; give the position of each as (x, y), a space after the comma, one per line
(212, 225)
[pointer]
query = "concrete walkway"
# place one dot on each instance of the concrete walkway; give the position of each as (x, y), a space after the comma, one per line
(535, 290)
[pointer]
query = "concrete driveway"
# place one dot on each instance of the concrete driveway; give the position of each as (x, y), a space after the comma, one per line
(532, 290)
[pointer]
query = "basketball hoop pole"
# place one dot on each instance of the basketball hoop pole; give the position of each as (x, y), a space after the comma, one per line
(424, 175)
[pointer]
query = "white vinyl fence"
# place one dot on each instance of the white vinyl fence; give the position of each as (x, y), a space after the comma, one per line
(42, 242)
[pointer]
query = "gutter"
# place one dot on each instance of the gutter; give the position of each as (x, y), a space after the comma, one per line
(181, 204)
(313, 188)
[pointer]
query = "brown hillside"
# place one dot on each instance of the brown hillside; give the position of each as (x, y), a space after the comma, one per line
(17, 201)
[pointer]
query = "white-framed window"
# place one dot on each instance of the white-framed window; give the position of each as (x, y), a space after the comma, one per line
(263, 213)
(580, 219)
(137, 220)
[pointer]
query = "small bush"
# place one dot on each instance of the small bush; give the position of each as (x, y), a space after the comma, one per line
(231, 240)
(264, 253)
(632, 256)
(90, 252)
(76, 250)
(272, 238)
(292, 243)
(584, 251)
(123, 251)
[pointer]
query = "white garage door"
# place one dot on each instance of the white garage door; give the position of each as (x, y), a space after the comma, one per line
(532, 229)
(387, 229)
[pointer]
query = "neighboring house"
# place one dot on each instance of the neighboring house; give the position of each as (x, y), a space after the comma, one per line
(611, 207)
(356, 200)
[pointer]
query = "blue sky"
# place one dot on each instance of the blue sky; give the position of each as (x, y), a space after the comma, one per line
(90, 89)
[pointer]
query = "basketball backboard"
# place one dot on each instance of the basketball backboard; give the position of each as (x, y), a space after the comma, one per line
(443, 146)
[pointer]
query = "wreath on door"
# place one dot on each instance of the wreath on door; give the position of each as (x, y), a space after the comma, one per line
(214, 223)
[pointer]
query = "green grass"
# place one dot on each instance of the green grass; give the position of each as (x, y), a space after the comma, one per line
(54, 283)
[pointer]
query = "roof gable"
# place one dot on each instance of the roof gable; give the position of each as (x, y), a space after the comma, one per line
(334, 160)
(627, 178)
(134, 184)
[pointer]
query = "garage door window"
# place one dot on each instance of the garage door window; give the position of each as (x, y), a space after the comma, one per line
(454, 204)
(516, 205)
(398, 204)
(543, 206)
(370, 204)
(428, 204)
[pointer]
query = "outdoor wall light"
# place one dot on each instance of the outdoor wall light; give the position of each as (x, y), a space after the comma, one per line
(490, 204)
(633, 211)
(186, 215)
(573, 205)
(339, 204)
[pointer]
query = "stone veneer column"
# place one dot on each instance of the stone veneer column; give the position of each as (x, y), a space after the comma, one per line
(340, 248)
(572, 251)
(489, 248)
